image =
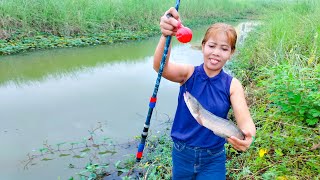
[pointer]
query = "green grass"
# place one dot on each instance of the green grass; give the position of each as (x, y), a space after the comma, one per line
(70, 17)
(42, 24)
(279, 65)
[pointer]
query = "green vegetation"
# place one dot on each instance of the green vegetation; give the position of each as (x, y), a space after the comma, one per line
(279, 65)
(39, 24)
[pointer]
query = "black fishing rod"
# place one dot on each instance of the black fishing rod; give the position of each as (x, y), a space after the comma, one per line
(153, 98)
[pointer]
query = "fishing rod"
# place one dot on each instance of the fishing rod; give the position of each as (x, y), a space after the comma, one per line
(153, 98)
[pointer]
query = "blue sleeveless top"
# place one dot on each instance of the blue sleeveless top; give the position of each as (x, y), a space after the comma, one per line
(214, 95)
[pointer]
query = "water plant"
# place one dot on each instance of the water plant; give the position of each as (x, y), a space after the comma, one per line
(92, 148)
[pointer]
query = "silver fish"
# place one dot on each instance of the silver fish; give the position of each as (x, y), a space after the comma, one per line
(221, 127)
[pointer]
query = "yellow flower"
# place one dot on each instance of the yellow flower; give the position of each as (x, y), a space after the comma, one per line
(282, 178)
(262, 152)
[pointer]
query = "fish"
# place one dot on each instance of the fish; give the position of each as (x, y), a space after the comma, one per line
(220, 126)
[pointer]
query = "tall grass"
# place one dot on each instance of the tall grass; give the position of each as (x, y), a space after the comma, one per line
(38, 24)
(280, 68)
(68, 17)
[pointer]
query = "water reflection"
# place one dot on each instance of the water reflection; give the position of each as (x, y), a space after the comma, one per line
(38, 65)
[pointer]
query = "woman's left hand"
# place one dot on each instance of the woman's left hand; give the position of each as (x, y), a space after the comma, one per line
(241, 145)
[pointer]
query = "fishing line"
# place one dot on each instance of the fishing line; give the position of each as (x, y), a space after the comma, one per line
(153, 98)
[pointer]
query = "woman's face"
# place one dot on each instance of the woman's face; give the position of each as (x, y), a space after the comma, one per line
(216, 52)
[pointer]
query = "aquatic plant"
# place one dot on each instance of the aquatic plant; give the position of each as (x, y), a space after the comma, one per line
(93, 148)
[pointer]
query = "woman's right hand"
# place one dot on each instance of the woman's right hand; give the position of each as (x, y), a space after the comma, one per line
(169, 25)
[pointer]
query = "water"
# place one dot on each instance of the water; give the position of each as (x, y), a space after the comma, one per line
(58, 95)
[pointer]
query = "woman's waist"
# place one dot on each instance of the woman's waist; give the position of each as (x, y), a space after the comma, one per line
(216, 144)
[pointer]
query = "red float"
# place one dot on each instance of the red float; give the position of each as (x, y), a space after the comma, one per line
(184, 34)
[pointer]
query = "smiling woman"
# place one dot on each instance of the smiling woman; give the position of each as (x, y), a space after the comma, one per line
(197, 151)
(218, 45)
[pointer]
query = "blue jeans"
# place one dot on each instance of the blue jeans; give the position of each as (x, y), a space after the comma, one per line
(198, 163)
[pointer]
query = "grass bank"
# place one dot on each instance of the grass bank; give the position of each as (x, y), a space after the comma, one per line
(43, 24)
(279, 65)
